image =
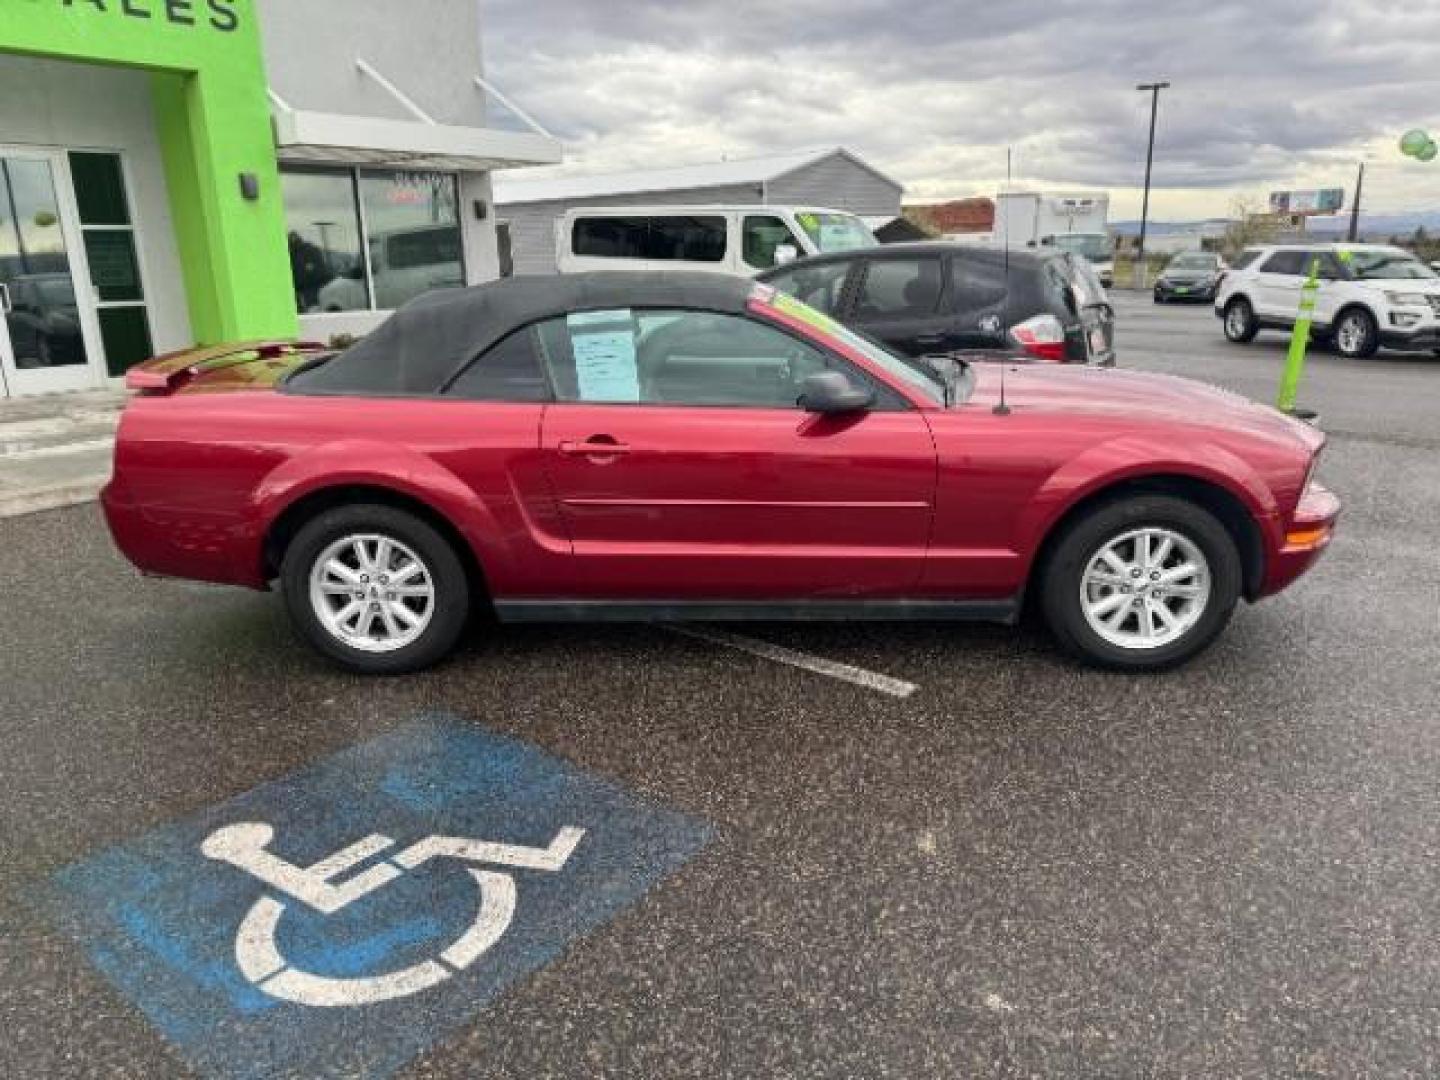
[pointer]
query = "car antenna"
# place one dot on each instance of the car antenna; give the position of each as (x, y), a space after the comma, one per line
(1001, 408)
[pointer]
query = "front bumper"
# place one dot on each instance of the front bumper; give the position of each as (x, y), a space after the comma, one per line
(1420, 337)
(1311, 529)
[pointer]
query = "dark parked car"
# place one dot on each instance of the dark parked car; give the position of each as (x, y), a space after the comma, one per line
(938, 297)
(1191, 275)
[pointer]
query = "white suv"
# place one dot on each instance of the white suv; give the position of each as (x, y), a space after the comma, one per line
(1370, 295)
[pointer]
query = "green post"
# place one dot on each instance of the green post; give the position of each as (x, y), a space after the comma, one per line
(1299, 340)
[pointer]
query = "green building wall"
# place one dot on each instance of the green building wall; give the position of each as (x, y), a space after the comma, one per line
(213, 120)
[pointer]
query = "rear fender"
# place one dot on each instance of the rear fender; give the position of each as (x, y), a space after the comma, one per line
(396, 468)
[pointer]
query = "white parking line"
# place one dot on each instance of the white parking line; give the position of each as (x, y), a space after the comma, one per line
(870, 680)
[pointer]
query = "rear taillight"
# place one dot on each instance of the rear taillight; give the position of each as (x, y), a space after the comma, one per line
(1042, 337)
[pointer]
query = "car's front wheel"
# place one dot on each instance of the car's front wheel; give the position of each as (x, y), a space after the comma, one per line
(1241, 326)
(376, 589)
(1141, 584)
(1356, 335)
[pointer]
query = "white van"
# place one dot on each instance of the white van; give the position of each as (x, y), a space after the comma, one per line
(727, 239)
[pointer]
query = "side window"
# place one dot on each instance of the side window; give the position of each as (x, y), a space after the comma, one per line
(674, 357)
(819, 286)
(609, 237)
(975, 284)
(899, 289)
(692, 239)
(1284, 262)
(1330, 268)
(507, 371)
(760, 236)
(1244, 259)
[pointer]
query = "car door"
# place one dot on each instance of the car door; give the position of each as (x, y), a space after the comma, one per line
(1330, 293)
(685, 470)
(897, 300)
(1278, 285)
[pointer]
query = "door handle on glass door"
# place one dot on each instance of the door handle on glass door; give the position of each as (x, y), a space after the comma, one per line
(5, 308)
(594, 446)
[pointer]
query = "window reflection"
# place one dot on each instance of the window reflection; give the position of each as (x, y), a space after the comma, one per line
(414, 228)
(324, 238)
(411, 225)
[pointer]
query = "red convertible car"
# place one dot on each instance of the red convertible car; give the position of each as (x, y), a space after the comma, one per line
(623, 447)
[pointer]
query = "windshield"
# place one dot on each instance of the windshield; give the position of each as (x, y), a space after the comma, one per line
(1388, 265)
(929, 386)
(835, 232)
(1093, 246)
(1192, 262)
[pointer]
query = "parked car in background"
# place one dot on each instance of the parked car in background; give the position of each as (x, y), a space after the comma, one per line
(1191, 275)
(1369, 295)
(698, 446)
(403, 263)
(723, 239)
(940, 296)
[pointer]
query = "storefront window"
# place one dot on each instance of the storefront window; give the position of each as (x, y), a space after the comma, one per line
(414, 231)
(372, 239)
(323, 229)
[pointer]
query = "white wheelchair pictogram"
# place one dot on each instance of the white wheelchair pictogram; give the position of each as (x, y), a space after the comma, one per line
(245, 845)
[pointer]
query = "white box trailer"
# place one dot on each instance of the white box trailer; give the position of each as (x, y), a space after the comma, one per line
(1075, 222)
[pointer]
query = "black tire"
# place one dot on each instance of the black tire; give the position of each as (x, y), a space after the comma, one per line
(1159, 299)
(451, 588)
(1060, 580)
(1356, 334)
(1240, 323)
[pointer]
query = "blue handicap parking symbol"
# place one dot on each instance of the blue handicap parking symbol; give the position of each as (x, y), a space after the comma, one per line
(340, 920)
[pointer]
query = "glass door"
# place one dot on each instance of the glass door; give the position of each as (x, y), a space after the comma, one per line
(47, 337)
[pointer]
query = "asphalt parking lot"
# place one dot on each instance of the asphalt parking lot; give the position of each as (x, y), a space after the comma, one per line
(1014, 867)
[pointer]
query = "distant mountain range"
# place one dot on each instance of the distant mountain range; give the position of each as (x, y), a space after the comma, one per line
(1374, 225)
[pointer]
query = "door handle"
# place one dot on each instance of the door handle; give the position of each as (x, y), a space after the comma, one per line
(929, 339)
(5, 306)
(595, 446)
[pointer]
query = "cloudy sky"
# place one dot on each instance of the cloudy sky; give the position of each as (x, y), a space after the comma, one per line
(1267, 93)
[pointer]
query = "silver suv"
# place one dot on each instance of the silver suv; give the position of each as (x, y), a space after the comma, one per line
(1370, 295)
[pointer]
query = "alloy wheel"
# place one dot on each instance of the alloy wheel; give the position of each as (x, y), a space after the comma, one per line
(1145, 588)
(1351, 336)
(372, 592)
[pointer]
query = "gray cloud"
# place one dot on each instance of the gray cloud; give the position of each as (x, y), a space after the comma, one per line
(1267, 92)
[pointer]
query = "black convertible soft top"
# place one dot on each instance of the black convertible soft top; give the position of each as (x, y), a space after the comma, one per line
(428, 340)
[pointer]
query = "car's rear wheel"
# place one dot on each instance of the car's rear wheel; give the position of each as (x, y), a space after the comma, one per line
(375, 589)
(1141, 584)
(1356, 335)
(1241, 326)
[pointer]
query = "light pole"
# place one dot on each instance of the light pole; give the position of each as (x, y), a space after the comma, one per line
(1354, 233)
(1154, 89)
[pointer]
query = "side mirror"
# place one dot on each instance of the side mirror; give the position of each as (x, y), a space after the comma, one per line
(786, 253)
(832, 393)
